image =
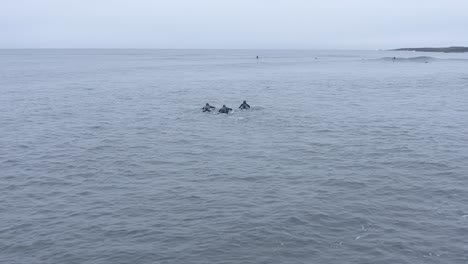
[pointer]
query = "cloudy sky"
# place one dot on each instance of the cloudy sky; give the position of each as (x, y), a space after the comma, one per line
(271, 24)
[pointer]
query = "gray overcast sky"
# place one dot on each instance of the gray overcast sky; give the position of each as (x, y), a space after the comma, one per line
(283, 24)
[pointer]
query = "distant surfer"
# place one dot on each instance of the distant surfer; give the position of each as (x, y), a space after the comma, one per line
(225, 110)
(244, 105)
(257, 57)
(207, 108)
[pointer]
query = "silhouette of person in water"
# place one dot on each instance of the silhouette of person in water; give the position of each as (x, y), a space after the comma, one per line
(257, 57)
(207, 108)
(244, 105)
(225, 110)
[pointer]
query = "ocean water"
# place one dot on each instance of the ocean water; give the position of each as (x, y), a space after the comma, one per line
(344, 157)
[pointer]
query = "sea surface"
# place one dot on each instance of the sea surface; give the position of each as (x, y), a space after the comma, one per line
(344, 157)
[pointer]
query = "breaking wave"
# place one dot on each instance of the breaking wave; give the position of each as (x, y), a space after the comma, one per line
(411, 59)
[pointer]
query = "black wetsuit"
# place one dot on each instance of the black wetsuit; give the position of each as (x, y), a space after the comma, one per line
(244, 105)
(225, 110)
(207, 108)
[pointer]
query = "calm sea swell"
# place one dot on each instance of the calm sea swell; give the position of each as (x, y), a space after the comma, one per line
(106, 157)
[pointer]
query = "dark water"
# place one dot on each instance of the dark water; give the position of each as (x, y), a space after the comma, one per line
(345, 157)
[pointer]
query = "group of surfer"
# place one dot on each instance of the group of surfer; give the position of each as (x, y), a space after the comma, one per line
(224, 109)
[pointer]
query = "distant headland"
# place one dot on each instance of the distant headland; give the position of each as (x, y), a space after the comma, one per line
(446, 50)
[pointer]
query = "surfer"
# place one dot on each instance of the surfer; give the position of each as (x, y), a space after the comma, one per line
(257, 57)
(225, 110)
(244, 105)
(207, 108)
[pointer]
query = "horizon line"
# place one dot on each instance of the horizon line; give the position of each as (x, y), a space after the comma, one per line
(109, 48)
